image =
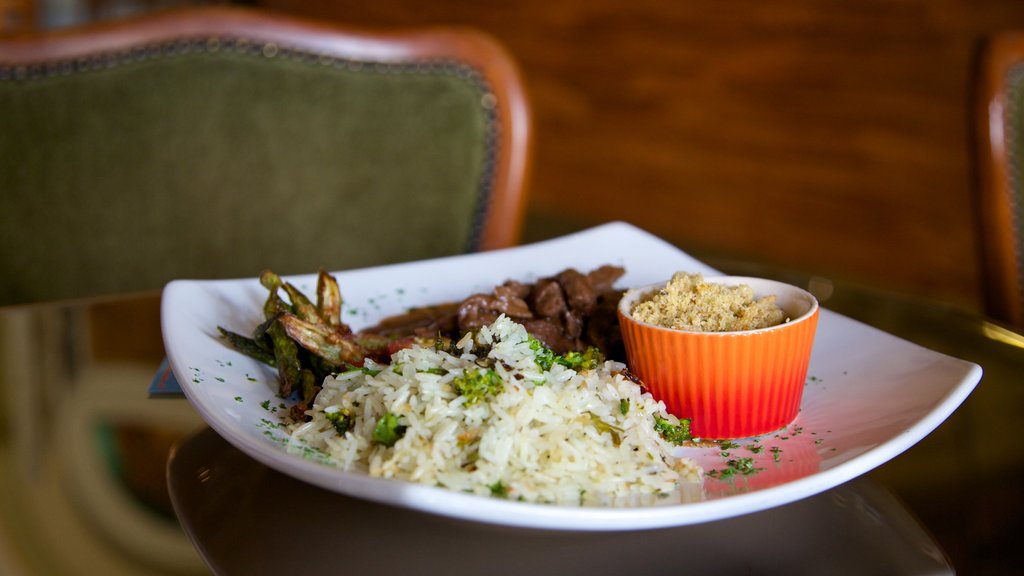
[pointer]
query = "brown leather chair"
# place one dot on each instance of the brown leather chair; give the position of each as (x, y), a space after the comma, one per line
(1000, 117)
(215, 142)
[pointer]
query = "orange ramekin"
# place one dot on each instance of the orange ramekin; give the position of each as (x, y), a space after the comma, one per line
(729, 384)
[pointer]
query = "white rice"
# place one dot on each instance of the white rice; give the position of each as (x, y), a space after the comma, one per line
(555, 436)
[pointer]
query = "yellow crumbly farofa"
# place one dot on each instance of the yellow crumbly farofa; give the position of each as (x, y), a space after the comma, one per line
(687, 302)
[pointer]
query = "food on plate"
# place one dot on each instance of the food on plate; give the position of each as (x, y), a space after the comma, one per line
(505, 394)
(568, 311)
(688, 302)
(307, 340)
(304, 340)
(735, 366)
(499, 413)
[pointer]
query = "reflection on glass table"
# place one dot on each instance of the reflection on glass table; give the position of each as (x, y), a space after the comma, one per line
(223, 498)
(82, 484)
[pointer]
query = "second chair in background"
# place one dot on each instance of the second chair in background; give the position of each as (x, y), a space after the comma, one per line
(1000, 121)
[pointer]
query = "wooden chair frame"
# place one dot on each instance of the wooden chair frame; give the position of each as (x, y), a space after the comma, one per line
(1000, 182)
(502, 223)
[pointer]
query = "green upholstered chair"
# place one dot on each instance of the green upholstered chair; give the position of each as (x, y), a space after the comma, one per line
(216, 142)
(1000, 106)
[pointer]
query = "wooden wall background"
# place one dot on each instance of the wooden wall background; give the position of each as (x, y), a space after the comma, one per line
(831, 137)
(825, 137)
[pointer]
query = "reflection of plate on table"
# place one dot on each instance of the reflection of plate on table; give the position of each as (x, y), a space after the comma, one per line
(869, 395)
(223, 498)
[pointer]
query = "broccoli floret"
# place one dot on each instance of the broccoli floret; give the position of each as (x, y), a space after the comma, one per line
(586, 360)
(388, 430)
(546, 358)
(542, 355)
(353, 368)
(435, 370)
(614, 431)
(399, 367)
(476, 385)
(342, 420)
(676, 434)
(499, 490)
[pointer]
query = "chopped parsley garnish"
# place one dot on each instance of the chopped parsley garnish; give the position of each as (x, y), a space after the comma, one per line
(476, 385)
(624, 406)
(776, 453)
(676, 434)
(744, 466)
(388, 430)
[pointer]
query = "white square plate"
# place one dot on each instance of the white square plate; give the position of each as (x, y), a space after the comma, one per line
(869, 395)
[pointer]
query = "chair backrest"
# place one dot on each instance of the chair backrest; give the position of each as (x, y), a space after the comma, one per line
(1000, 118)
(215, 142)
